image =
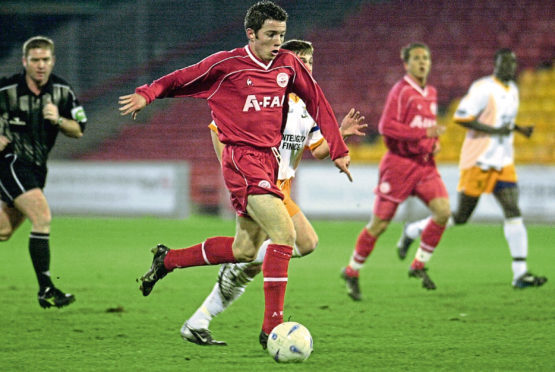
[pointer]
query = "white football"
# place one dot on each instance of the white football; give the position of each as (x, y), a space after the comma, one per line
(290, 342)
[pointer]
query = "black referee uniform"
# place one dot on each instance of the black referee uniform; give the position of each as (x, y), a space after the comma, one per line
(23, 161)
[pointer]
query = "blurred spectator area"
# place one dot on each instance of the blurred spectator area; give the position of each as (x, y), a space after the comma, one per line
(107, 48)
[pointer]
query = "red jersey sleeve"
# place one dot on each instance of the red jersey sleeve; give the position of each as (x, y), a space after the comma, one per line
(192, 81)
(319, 108)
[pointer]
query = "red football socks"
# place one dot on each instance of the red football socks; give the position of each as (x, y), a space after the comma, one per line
(212, 251)
(364, 246)
(274, 269)
(431, 236)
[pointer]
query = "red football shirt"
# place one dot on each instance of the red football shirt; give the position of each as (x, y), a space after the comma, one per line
(408, 111)
(247, 96)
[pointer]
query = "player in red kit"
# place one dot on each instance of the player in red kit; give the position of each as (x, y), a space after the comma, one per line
(246, 89)
(408, 126)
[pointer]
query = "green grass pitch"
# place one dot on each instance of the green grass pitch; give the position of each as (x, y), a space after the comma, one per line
(474, 321)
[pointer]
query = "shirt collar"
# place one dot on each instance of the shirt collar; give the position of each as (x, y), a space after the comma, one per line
(416, 86)
(257, 60)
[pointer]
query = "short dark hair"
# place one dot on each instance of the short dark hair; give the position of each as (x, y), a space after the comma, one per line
(260, 12)
(405, 51)
(501, 52)
(38, 42)
(298, 46)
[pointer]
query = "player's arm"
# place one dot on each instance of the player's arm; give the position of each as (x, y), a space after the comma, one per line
(218, 146)
(474, 124)
(352, 124)
(69, 127)
(320, 110)
(193, 81)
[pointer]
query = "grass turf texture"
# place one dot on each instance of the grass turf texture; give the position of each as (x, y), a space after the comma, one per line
(475, 320)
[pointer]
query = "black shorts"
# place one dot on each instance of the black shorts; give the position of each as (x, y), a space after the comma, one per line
(18, 177)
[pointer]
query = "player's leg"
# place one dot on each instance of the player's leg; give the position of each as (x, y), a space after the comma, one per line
(34, 206)
(466, 204)
(431, 190)
(271, 215)
(473, 182)
(384, 210)
(234, 278)
(431, 236)
(516, 235)
(231, 284)
(413, 230)
(10, 220)
(213, 251)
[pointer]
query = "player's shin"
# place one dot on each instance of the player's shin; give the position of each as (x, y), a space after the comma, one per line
(430, 239)
(517, 239)
(274, 268)
(39, 249)
(364, 246)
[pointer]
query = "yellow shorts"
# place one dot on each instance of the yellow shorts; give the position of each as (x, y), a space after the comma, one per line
(285, 187)
(476, 181)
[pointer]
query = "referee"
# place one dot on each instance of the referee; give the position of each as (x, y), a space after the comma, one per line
(35, 106)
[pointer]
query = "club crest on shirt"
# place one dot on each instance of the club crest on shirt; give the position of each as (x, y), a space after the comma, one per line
(282, 79)
(264, 184)
(385, 187)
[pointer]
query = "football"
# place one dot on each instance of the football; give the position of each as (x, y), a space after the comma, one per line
(290, 342)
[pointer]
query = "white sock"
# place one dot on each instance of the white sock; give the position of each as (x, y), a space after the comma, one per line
(212, 306)
(414, 229)
(422, 256)
(517, 239)
(355, 265)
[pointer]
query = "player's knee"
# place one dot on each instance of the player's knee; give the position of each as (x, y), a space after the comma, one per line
(442, 215)
(243, 252)
(512, 212)
(307, 245)
(6, 232)
(245, 255)
(41, 222)
(459, 219)
(286, 237)
(253, 270)
(5, 235)
(377, 226)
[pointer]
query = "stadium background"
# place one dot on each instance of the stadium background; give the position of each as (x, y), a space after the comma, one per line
(107, 48)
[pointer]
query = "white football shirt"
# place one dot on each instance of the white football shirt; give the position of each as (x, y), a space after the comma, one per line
(491, 103)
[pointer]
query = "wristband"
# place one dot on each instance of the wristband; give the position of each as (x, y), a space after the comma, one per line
(59, 121)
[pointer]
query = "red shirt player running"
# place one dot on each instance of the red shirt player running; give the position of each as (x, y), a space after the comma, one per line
(247, 90)
(408, 126)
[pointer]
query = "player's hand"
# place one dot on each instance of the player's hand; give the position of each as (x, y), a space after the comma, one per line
(352, 124)
(50, 112)
(435, 131)
(525, 130)
(343, 165)
(131, 104)
(4, 141)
